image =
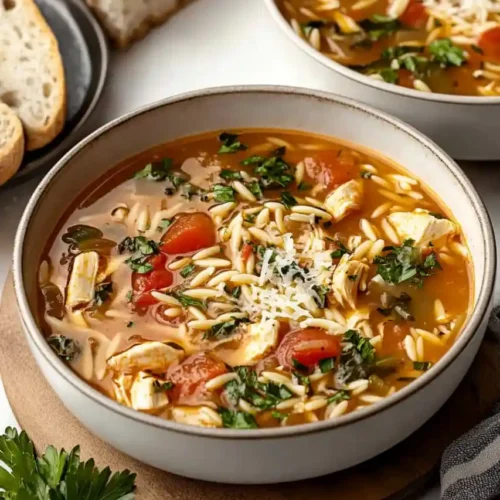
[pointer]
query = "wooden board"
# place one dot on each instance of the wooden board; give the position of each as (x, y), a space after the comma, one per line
(397, 473)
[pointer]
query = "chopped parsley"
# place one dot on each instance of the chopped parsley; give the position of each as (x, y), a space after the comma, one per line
(222, 330)
(64, 347)
(339, 396)
(230, 175)
(341, 250)
(304, 186)
(235, 419)
(446, 53)
(236, 292)
(477, 49)
(187, 270)
(155, 171)
(255, 189)
(274, 171)
(399, 305)
(404, 263)
(142, 250)
(230, 144)
(421, 366)
(223, 193)
(379, 26)
(288, 200)
(326, 365)
(321, 292)
(130, 324)
(278, 415)
(247, 387)
(164, 223)
(352, 277)
(102, 293)
(357, 357)
(187, 301)
(162, 386)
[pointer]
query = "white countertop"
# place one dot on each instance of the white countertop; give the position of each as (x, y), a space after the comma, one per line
(211, 43)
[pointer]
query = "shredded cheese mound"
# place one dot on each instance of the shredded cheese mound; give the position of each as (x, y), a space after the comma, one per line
(287, 289)
(469, 18)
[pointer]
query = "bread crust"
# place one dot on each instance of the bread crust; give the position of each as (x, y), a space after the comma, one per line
(12, 152)
(124, 41)
(39, 136)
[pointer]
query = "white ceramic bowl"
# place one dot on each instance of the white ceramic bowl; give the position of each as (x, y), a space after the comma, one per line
(467, 128)
(265, 455)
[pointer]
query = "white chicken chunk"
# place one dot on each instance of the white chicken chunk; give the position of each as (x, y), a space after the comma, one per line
(144, 396)
(203, 416)
(422, 227)
(258, 340)
(345, 199)
(81, 286)
(346, 279)
(152, 356)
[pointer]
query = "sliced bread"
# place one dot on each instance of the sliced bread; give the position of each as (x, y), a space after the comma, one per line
(31, 71)
(129, 20)
(11, 143)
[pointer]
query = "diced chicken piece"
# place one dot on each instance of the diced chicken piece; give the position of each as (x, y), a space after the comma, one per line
(144, 396)
(203, 416)
(152, 356)
(122, 386)
(345, 199)
(81, 286)
(346, 279)
(257, 342)
(422, 227)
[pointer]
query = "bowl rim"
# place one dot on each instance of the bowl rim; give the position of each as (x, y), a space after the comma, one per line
(385, 87)
(36, 338)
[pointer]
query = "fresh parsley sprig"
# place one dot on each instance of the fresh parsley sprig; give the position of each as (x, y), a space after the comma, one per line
(56, 475)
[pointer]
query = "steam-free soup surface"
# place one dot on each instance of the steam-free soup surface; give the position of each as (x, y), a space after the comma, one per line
(254, 279)
(443, 46)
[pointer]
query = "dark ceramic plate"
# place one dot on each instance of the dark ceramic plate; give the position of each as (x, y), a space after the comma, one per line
(85, 57)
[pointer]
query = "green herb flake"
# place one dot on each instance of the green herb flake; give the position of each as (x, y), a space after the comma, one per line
(255, 189)
(163, 386)
(187, 301)
(223, 193)
(288, 200)
(236, 419)
(446, 54)
(421, 366)
(326, 365)
(164, 223)
(230, 175)
(477, 49)
(274, 171)
(102, 293)
(230, 144)
(304, 186)
(187, 270)
(339, 396)
(236, 292)
(310, 25)
(64, 347)
(340, 251)
(130, 324)
(320, 296)
(225, 329)
(155, 171)
(365, 174)
(129, 296)
(404, 263)
(278, 415)
(299, 366)
(352, 277)
(379, 26)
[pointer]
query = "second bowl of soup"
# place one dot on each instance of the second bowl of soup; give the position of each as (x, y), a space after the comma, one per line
(254, 290)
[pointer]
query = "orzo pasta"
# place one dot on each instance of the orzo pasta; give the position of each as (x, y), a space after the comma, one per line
(254, 279)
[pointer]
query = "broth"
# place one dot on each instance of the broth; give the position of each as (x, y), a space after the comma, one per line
(438, 46)
(257, 279)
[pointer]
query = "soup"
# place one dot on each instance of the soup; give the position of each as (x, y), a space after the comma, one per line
(254, 279)
(443, 46)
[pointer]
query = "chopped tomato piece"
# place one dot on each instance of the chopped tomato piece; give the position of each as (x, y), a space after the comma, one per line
(144, 300)
(246, 251)
(331, 168)
(307, 347)
(189, 233)
(405, 78)
(489, 42)
(190, 376)
(159, 277)
(415, 15)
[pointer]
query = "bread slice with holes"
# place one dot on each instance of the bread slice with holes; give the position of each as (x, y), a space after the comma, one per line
(128, 20)
(11, 143)
(31, 72)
